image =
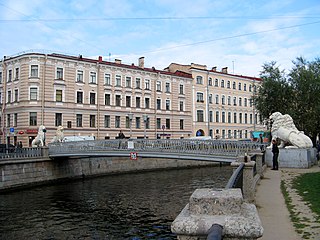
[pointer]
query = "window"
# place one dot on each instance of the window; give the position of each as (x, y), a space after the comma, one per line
(34, 71)
(158, 104)
(17, 74)
(138, 122)
(158, 123)
(235, 117)
(181, 89)
(0, 77)
(128, 101)
(167, 123)
(107, 121)
(127, 122)
(229, 134)
(117, 122)
(234, 133)
(240, 117)
(147, 84)
(16, 95)
(69, 124)
(245, 102)
(217, 116)
(79, 97)
(251, 121)
(128, 82)
(9, 75)
(210, 98)
(33, 94)
(92, 98)
(58, 119)
(79, 76)
(239, 87)
(8, 120)
(228, 84)
(158, 86)
(107, 99)
(210, 81)
(199, 97)
(58, 95)
(138, 83)
(217, 99)
(223, 117)
(181, 106)
(59, 73)
(210, 116)
(216, 82)
(148, 123)
(167, 87)
(229, 117)
(92, 121)
(93, 78)
(244, 87)
(222, 83)
(147, 102)
(79, 120)
(245, 118)
(138, 102)
(229, 100)
(250, 88)
(107, 79)
(199, 80)
(223, 100)
(234, 101)
(15, 119)
(9, 97)
(118, 81)
(181, 124)
(234, 85)
(167, 104)
(240, 101)
(33, 119)
(200, 116)
(118, 100)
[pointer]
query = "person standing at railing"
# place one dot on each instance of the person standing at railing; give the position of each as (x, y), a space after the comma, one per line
(121, 136)
(275, 151)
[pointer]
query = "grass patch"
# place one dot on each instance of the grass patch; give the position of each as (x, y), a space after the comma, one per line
(308, 187)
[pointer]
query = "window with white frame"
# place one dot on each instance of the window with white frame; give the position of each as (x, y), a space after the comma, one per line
(58, 95)
(210, 98)
(92, 121)
(168, 125)
(80, 97)
(118, 100)
(244, 87)
(117, 122)
(158, 123)
(79, 120)
(15, 119)
(128, 82)
(107, 79)
(33, 119)
(222, 83)
(239, 88)
(79, 76)
(147, 84)
(181, 124)
(138, 102)
(0, 77)
(245, 102)
(107, 99)
(107, 121)
(217, 99)
(229, 100)
(147, 103)
(17, 74)
(181, 89)
(118, 80)
(240, 117)
(210, 116)
(138, 83)
(93, 78)
(158, 86)
(128, 101)
(8, 120)
(234, 85)
(167, 104)
(210, 81)
(216, 82)
(59, 73)
(199, 80)
(217, 116)
(9, 97)
(229, 117)
(158, 104)
(200, 116)
(223, 100)
(240, 101)
(138, 122)
(200, 97)
(223, 117)
(16, 95)
(228, 84)
(34, 71)
(33, 93)
(235, 117)
(92, 99)
(58, 119)
(234, 101)
(168, 87)
(181, 106)
(9, 75)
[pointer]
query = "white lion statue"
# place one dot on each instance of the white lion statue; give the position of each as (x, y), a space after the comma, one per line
(59, 135)
(40, 139)
(284, 129)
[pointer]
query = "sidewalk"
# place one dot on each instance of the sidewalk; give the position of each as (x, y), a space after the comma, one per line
(272, 209)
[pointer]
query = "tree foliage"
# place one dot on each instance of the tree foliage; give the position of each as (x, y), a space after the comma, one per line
(296, 94)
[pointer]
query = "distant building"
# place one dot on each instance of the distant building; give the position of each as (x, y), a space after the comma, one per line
(222, 104)
(91, 97)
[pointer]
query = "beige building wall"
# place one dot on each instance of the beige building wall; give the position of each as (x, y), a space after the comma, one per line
(222, 102)
(56, 92)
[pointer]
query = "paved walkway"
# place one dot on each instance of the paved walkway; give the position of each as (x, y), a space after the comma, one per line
(273, 212)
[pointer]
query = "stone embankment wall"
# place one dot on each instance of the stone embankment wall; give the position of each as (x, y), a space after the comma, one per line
(26, 172)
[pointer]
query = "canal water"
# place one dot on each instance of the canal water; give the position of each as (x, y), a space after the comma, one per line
(129, 206)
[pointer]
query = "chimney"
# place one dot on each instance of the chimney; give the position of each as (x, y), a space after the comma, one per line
(224, 70)
(117, 61)
(214, 69)
(141, 62)
(100, 59)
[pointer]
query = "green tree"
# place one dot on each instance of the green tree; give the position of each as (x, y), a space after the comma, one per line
(274, 92)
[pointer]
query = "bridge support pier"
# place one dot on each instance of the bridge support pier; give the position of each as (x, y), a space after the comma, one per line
(223, 207)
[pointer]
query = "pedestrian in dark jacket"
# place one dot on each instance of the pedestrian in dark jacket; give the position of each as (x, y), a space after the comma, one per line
(275, 151)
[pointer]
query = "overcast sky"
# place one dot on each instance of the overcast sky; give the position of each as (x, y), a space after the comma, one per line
(240, 35)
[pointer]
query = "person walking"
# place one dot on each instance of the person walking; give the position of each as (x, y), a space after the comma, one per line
(275, 151)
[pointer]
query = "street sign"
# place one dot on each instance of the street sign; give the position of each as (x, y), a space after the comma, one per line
(133, 156)
(12, 130)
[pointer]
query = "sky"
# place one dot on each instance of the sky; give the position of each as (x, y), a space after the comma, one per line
(240, 35)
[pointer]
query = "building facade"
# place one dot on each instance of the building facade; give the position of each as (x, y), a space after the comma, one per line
(222, 103)
(91, 97)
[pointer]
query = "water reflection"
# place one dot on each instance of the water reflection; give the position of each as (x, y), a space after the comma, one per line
(130, 206)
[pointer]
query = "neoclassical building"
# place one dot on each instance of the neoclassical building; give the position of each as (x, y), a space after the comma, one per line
(222, 103)
(91, 97)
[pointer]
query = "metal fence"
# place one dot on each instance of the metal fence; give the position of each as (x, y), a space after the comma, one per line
(22, 153)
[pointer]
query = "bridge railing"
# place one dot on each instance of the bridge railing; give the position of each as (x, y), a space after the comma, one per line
(24, 153)
(203, 147)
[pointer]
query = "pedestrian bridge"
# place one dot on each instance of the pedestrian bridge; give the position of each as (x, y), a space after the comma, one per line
(186, 149)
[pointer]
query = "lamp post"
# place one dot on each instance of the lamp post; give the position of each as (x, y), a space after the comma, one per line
(145, 118)
(130, 115)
